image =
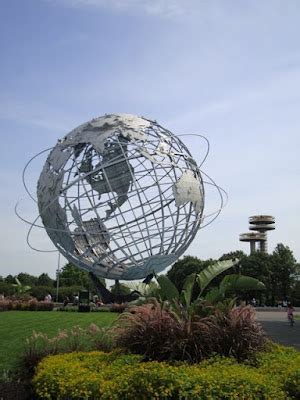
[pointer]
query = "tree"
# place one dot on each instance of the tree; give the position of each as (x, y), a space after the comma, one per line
(120, 288)
(233, 254)
(295, 294)
(6, 289)
(73, 276)
(184, 267)
(278, 271)
(258, 265)
(27, 279)
(45, 280)
(284, 269)
(10, 279)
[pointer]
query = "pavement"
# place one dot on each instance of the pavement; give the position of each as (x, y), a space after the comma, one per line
(277, 327)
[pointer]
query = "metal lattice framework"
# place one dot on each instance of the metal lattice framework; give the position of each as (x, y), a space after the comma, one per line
(122, 197)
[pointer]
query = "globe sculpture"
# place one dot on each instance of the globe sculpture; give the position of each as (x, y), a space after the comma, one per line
(121, 197)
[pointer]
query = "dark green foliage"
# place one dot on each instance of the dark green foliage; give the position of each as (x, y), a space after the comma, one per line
(27, 279)
(68, 291)
(73, 276)
(10, 279)
(278, 271)
(295, 294)
(39, 292)
(233, 254)
(120, 289)
(6, 288)
(45, 280)
(283, 269)
(184, 267)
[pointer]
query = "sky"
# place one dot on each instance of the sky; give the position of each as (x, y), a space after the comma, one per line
(229, 70)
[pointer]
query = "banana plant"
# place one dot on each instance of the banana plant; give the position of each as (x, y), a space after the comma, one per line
(212, 271)
(183, 300)
(170, 292)
(20, 288)
(232, 283)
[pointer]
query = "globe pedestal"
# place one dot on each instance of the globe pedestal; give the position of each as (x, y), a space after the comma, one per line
(108, 297)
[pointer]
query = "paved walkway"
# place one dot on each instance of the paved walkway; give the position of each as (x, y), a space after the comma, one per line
(277, 327)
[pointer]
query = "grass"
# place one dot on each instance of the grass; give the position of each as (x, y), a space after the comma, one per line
(16, 326)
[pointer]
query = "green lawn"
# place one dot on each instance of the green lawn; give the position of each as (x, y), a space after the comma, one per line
(16, 326)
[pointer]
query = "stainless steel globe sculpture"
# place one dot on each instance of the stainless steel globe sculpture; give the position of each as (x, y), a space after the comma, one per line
(121, 197)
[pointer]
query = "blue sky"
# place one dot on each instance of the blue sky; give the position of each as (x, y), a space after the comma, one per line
(227, 69)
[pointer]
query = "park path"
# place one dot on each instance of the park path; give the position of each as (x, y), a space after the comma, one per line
(276, 325)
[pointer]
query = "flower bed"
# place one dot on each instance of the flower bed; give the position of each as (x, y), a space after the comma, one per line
(98, 375)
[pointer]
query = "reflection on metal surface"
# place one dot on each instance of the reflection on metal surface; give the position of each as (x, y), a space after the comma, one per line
(187, 188)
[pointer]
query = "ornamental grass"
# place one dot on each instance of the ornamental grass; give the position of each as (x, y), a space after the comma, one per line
(158, 333)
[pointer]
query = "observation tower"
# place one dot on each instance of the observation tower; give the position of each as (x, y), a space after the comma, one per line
(260, 224)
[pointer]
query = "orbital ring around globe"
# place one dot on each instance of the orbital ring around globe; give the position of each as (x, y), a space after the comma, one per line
(122, 197)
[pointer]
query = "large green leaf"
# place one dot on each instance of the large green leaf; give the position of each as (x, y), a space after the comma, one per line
(209, 273)
(168, 289)
(187, 291)
(21, 288)
(240, 282)
(213, 296)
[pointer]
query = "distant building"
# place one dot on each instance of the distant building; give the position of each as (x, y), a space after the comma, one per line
(260, 224)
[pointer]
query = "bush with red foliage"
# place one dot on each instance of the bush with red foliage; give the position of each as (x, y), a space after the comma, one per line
(149, 329)
(118, 307)
(158, 333)
(236, 333)
(31, 305)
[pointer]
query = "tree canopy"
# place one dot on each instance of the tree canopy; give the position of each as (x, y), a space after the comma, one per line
(279, 272)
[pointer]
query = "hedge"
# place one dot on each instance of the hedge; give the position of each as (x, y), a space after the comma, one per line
(20, 305)
(98, 375)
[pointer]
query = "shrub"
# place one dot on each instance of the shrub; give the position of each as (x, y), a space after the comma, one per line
(84, 308)
(26, 305)
(111, 376)
(68, 308)
(6, 305)
(32, 305)
(236, 333)
(155, 331)
(39, 345)
(40, 292)
(44, 306)
(150, 330)
(284, 364)
(6, 289)
(68, 291)
(118, 308)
